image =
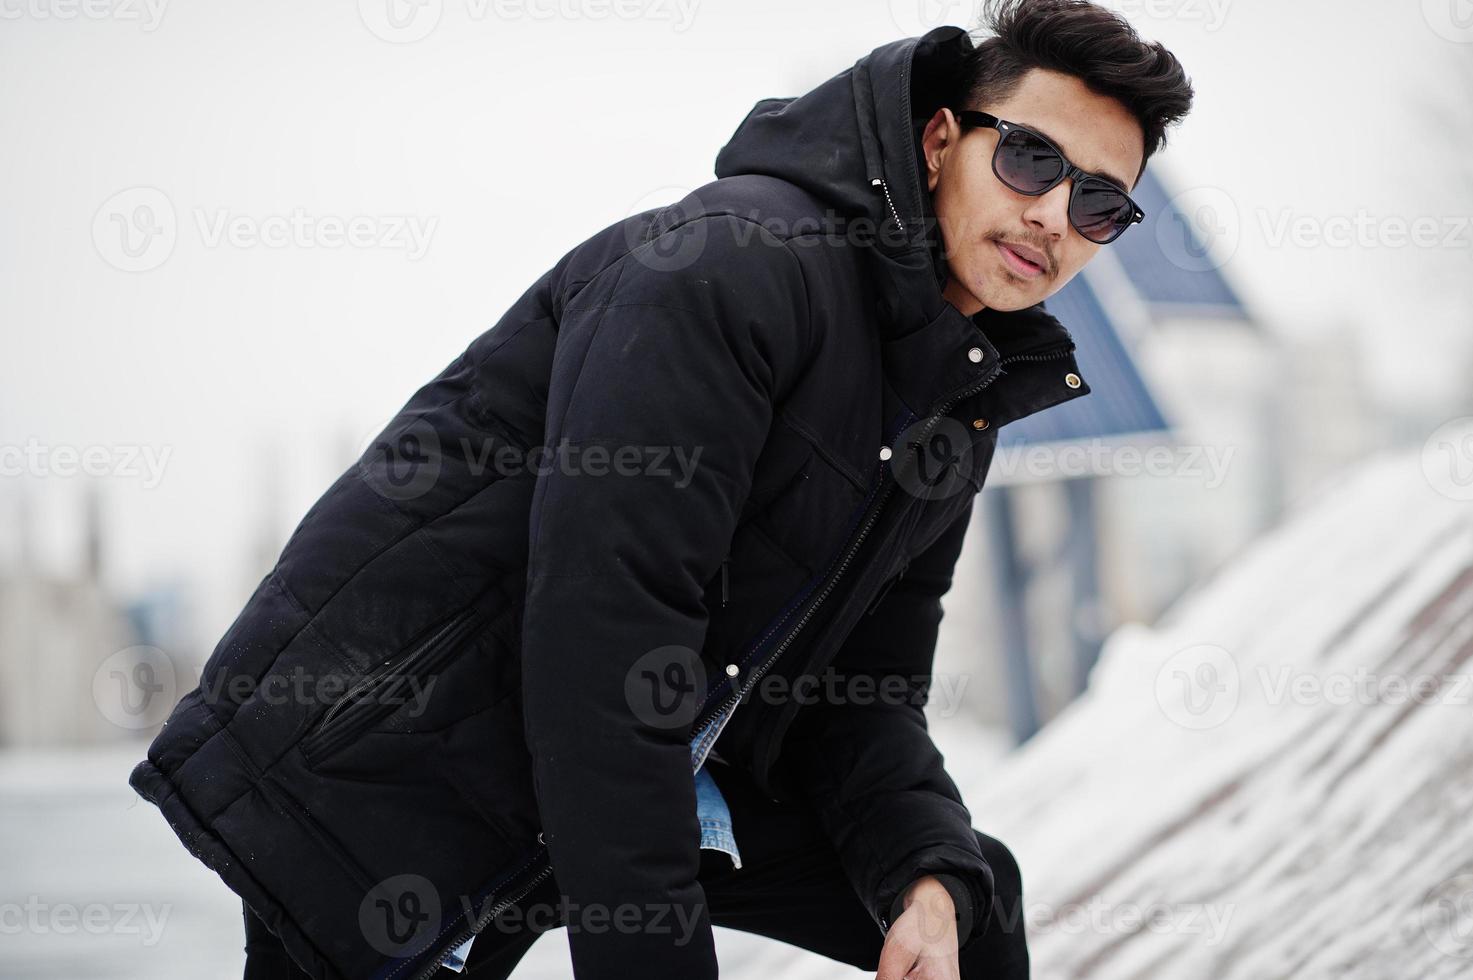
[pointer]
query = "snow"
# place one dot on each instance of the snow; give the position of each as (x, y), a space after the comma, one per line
(1261, 769)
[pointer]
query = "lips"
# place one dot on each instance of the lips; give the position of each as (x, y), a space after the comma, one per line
(1023, 260)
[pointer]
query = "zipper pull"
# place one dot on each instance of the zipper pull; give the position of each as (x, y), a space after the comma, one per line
(723, 579)
(888, 586)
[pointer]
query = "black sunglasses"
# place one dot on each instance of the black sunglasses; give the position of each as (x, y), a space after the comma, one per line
(1028, 163)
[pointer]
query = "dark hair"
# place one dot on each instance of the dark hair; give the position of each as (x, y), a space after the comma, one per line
(1077, 38)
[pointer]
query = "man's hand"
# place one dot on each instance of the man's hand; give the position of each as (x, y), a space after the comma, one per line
(922, 942)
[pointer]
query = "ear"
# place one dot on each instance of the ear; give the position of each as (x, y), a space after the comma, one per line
(941, 133)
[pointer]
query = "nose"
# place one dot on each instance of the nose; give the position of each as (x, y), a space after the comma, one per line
(1048, 214)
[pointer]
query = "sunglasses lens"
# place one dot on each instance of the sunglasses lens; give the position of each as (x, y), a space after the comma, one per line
(1100, 211)
(1027, 164)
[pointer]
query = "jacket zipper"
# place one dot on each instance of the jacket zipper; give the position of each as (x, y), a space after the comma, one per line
(756, 675)
(736, 697)
(880, 183)
(481, 923)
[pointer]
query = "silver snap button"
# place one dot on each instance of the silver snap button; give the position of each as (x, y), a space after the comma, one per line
(1072, 380)
(732, 670)
(884, 452)
(974, 355)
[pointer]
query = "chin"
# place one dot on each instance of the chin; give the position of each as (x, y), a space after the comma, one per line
(1009, 300)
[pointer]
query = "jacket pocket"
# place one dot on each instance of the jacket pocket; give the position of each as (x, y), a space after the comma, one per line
(382, 691)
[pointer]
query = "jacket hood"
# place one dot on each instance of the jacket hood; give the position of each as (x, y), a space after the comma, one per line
(853, 143)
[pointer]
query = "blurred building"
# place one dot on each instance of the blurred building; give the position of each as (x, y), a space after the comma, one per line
(56, 634)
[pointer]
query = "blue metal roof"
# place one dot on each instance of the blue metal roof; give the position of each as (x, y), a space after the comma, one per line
(1165, 258)
(1118, 403)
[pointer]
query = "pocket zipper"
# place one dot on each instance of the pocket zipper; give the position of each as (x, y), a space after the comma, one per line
(362, 706)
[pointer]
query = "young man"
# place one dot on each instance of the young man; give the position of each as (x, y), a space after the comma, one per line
(689, 507)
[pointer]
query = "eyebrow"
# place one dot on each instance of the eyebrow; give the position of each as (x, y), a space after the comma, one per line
(1122, 184)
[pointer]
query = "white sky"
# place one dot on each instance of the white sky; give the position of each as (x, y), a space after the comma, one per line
(518, 137)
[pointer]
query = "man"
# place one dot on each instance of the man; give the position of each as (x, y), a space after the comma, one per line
(689, 507)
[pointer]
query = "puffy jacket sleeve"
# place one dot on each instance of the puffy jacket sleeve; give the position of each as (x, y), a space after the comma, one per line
(869, 766)
(663, 381)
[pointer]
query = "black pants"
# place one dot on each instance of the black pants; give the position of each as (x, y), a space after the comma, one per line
(790, 888)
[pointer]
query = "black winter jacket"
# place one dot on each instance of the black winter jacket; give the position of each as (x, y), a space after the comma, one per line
(764, 430)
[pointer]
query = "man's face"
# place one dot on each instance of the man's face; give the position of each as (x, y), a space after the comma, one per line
(976, 211)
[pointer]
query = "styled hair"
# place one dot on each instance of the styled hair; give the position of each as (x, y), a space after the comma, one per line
(1079, 38)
